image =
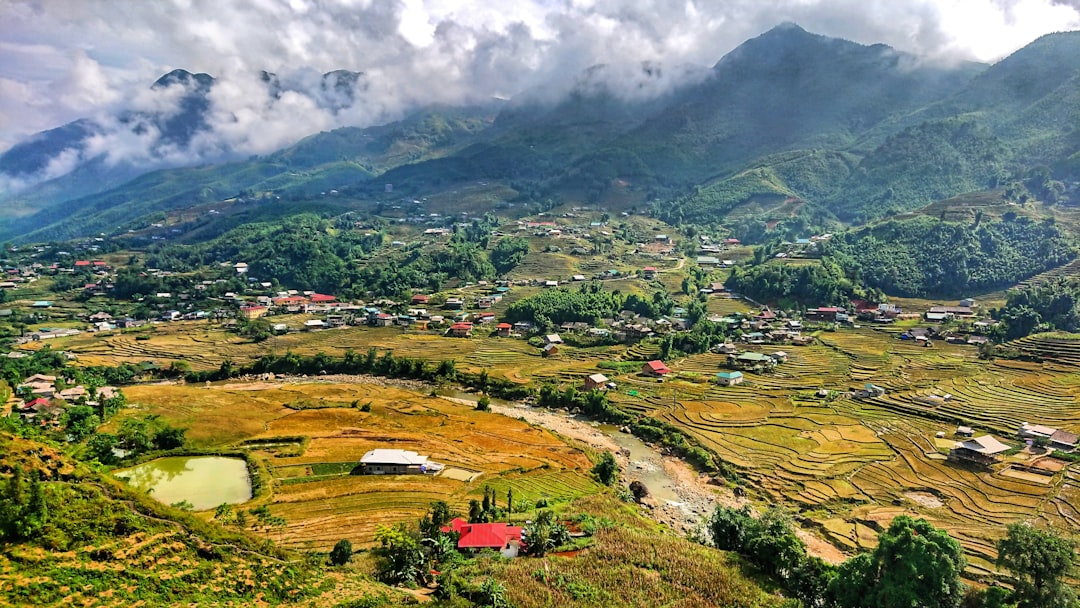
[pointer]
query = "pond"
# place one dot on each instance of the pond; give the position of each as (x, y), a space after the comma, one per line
(203, 481)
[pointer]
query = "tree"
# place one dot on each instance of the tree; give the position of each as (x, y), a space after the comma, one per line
(1039, 559)
(342, 552)
(399, 558)
(607, 470)
(23, 509)
(773, 545)
(438, 515)
(915, 565)
(100, 447)
(483, 404)
(169, 438)
(134, 435)
(731, 527)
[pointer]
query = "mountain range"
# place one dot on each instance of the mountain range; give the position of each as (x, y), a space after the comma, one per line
(853, 132)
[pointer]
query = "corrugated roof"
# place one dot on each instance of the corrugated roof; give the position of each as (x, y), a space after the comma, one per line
(387, 456)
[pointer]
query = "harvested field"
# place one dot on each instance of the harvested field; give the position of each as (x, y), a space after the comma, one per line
(314, 490)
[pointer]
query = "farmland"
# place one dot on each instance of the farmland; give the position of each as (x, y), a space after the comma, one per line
(312, 488)
(848, 465)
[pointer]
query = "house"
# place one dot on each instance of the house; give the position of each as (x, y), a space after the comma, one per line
(751, 360)
(823, 313)
(729, 378)
(985, 450)
(596, 382)
(779, 356)
(708, 260)
(551, 283)
(965, 431)
(383, 319)
(552, 339)
(315, 324)
(420, 299)
(870, 390)
(504, 329)
(318, 298)
(951, 311)
(252, 312)
(656, 369)
(382, 461)
(1064, 440)
(504, 538)
(551, 350)
(649, 272)
(460, 330)
(727, 348)
(1055, 438)
(454, 304)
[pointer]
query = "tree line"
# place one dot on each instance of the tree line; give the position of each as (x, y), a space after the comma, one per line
(914, 565)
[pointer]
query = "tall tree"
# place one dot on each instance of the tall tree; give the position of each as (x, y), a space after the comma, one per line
(1040, 560)
(915, 565)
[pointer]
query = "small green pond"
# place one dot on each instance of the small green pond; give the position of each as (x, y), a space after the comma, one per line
(203, 481)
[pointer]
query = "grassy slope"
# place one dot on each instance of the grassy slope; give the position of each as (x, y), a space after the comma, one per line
(630, 563)
(107, 546)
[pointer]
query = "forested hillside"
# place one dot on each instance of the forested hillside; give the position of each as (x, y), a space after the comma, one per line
(930, 257)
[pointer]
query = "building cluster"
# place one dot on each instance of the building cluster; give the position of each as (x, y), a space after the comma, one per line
(40, 399)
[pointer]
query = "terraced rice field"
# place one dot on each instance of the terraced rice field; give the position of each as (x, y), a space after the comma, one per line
(313, 491)
(851, 465)
(847, 464)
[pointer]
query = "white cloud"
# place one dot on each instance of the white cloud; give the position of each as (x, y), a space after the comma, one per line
(64, 59)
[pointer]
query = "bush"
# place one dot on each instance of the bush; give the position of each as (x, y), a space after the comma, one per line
(342, 552)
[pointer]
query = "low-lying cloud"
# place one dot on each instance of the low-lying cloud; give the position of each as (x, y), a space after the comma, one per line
(65, 59)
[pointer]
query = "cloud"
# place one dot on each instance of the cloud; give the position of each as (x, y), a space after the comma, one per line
(64, 59)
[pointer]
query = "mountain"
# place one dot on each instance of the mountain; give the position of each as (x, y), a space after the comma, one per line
(308, 169)
(849, 132)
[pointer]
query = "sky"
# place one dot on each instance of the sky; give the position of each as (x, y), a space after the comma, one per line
(65, 59)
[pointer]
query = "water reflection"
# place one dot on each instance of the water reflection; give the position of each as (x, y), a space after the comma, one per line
(203, 481)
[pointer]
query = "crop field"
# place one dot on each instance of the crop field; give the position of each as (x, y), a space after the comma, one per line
(314, 492)
(847, 464)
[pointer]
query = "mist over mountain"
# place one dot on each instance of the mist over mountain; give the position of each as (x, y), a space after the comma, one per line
(856, 131)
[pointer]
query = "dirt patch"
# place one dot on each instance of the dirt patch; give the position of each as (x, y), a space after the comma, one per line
(925, 499)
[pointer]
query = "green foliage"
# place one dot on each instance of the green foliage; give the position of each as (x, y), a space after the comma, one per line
(606, 470)
(23, 508)
(1039, 560)
(508, 253)
(926, 256)
(915, 565)
(1053, 305)
(820, 284)
(589, 303)
(483, 404)
(342, 552)
(922, 164)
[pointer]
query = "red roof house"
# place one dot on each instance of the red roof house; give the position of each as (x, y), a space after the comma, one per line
(321, 298)
(461, 330)
(502, 537)
(82, 263)
(504, 329)
(420, 299)
(655, 368)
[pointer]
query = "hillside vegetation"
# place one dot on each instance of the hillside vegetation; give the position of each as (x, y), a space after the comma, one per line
(926, 256)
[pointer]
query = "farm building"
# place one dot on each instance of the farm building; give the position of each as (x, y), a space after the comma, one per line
(656, 369)
(1055, 438)
(504, 538)
(396, 462)
(985, 450)
(550, 350)
(596, 382)
(552, 339)
(460, 330)
(729, 378)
